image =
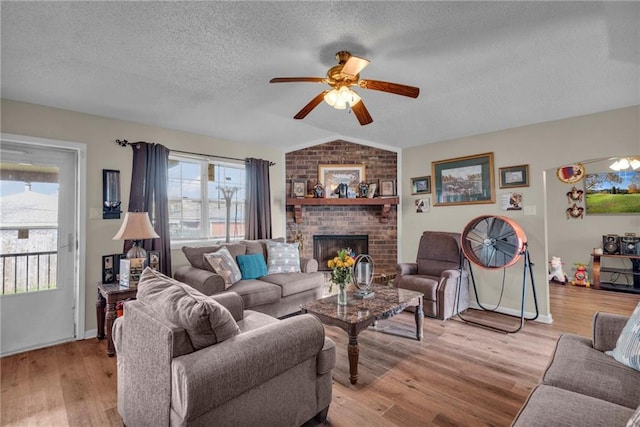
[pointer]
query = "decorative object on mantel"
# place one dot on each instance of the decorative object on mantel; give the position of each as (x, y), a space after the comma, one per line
(362, 273)
(371, 190)
(340, 267)
(362, 189)
(575, 212)
(570, 174)
(387, 187)
(318, 190)
(298, 188)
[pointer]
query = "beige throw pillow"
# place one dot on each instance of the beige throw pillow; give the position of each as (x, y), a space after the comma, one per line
(223, 264)
(206, 321)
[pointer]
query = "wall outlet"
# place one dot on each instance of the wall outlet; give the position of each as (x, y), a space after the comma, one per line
(530, 210)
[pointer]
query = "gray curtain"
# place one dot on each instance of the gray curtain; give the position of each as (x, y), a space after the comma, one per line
(258, 200)
(149, 194)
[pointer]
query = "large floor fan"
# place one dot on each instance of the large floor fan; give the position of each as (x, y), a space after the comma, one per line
(497, 243)
(340, 78)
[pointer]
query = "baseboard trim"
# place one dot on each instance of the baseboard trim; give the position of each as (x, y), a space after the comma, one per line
(511, 312)
(91, 333)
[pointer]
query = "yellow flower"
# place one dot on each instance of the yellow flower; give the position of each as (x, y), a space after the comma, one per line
(330, 263)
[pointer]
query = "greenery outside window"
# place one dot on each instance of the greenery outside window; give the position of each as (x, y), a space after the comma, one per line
(221, 185)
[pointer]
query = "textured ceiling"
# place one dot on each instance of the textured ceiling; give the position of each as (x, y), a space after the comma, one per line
(204, 67)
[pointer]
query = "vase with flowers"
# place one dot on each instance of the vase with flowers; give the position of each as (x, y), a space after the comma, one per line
(341, 273)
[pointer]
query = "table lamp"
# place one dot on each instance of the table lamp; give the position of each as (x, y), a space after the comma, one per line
(136, 227)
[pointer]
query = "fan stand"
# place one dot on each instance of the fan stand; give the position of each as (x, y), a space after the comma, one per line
(526, 267)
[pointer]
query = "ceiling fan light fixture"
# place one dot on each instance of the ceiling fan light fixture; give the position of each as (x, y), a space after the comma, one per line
(340, 98)
(625, 163)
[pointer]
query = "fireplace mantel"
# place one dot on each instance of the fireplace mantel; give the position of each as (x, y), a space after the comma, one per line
(384, 202)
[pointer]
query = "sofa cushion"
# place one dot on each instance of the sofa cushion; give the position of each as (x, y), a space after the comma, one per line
(551, 406)
(283, 257)
(260, 246)
(294, 283)
(206, 321)
(224, 265)
(195, 255)
(627, 349)
(252, 266)
(257, 292)
(578, 367)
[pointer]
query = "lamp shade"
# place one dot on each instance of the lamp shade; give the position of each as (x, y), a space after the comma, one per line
(136, 226)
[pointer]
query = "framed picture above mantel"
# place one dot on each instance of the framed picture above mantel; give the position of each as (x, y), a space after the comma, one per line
(331, 176)
(464, 180)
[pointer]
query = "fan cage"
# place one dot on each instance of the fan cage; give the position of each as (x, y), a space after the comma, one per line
(493, 242)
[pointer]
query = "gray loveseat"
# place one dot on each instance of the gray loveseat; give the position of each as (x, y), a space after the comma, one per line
(189, 359)
(277, 295)
(583, 386)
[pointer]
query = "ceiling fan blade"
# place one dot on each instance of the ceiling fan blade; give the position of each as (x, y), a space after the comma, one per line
(296, 79)
(362, 113)
(354, 65)
(310, 106)
(394, 88)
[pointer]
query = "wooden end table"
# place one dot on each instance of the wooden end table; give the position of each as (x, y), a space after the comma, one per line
(108, 296)
(359, 314)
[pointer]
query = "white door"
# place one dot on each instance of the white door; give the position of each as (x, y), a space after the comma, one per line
(38, 253)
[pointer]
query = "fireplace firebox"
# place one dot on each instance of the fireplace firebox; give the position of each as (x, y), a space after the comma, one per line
(325, 247)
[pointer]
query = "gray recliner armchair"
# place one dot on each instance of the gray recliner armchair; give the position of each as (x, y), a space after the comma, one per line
(437, 274)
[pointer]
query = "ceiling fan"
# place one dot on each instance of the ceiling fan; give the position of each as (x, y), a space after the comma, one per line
(340, 78)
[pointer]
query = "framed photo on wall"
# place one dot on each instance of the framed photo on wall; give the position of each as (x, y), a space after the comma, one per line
(331, 176)
(421, 185)
(464, 180)
(514, 176)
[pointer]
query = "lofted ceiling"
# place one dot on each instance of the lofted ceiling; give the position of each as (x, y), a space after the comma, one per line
(204, 67)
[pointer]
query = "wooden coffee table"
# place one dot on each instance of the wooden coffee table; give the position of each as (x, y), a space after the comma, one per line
(359, 314)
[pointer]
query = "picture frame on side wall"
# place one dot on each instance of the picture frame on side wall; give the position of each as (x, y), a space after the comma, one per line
(514, 176)
(464, 180)
(421, 185)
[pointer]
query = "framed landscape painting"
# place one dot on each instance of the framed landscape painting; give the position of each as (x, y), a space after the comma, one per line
(421, 185)
(331, 176)
(464, 180)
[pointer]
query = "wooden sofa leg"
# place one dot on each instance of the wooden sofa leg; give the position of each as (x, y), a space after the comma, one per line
(322, 415)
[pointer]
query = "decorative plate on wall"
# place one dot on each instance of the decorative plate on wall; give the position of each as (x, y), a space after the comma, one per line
(570, 174)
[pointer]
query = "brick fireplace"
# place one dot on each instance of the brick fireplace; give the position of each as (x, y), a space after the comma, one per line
(345, 220)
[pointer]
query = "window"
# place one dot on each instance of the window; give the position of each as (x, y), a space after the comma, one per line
(221, 185)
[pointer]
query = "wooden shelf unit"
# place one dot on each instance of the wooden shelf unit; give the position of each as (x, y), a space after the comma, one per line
(633, 272)
(384, 202)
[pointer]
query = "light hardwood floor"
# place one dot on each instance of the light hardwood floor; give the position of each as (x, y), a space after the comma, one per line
(459, 375)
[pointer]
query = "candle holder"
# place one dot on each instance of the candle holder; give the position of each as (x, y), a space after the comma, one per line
(362, 276)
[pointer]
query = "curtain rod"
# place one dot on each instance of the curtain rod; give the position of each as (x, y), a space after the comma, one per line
(124, 143)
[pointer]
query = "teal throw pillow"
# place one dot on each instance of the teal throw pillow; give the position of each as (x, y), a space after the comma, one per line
(252, 266)
(627, 349)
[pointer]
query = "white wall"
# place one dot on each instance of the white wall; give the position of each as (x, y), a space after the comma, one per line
(100, 133)
(543, 146)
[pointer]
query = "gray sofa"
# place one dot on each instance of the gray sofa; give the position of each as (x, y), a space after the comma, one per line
(277, 294)
(179, 364)
(583, 386)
